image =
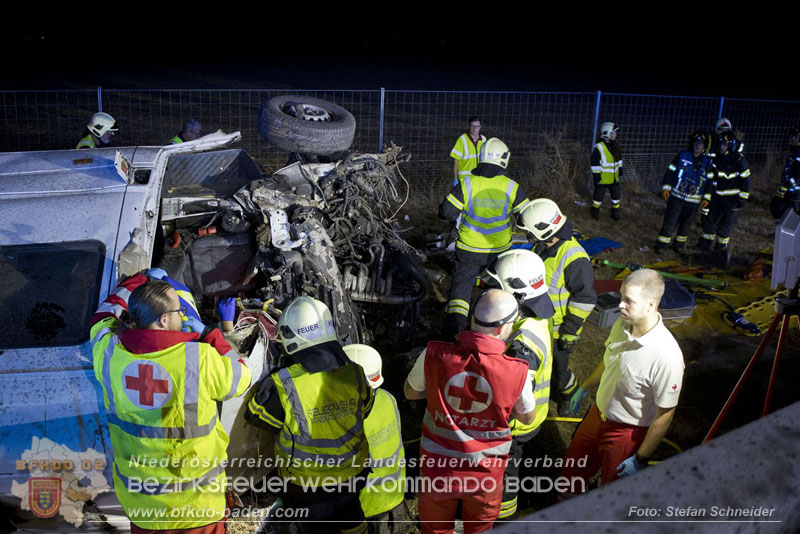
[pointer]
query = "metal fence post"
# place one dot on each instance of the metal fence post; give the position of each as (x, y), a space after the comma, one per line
(721, 106)
(380, 125)
(591, 136)
(99, 98)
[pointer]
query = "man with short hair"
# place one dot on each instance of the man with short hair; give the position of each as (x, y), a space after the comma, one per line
(465, 151)
(472, 389)
(639, 377)
(191, 131)
(161, 387)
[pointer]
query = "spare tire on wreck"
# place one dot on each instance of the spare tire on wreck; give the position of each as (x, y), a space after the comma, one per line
(306, 125)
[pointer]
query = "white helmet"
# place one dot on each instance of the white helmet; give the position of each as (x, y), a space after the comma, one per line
(606, 128)
(101, 123)
(304, 323)
(369, 359)
(722, 125)
(542, 218)
(494, 151)
(522, 273)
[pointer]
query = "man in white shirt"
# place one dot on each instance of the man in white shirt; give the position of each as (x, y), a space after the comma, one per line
(639, 377)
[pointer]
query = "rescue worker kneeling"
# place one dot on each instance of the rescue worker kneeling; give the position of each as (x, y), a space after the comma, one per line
(382, 498)
(316, 401)
(522, 273)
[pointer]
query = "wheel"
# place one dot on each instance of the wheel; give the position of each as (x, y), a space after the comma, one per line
(306, 125)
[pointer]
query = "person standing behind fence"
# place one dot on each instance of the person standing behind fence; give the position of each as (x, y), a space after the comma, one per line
(191, 131)
(101, 128)
(465, 151)
(606, 164)
(788, 194)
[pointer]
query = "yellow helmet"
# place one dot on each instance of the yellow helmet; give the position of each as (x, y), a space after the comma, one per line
(541, 218)
(304, 323)
(369, 360)
(496, 152)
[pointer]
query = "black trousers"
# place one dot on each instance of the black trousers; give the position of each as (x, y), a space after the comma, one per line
(722, 216)
(510, 503)
(341, 509)
(468, 267)
(678, 213)
(560, 376)
(600, 193)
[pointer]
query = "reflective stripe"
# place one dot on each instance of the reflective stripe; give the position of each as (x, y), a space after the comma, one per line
(582, 306)
(458, 306)
(614, 203)
(294, 402)
(665, 239)
(487, 220)
(544, 385)
(107, 355)
(263, 414)
(681, 238)
(236, 367)
(114, 309)
(556, 278)
(142, 486)
(468, 248)
(379, 481)
(597, 203)
(462, 435)
(728, 192)
(708, 236)
(455, 202)
(431, 446)
(723, 240)
(322, 456)
(485, 231)
(390, 460)
(744, 194)
(666, 187)
(348, 436)
(508, 508)
(542, 400)
(100, 335)
(532, 338)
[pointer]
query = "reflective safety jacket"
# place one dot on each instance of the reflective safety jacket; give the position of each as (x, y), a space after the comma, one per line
(687, 176)
(731, 176)
(317, 406)
(605, 168)
(530, 341)
(86, 142)
(570, 279)
(176, 140)
(385, 487)
(466, 153)
(472, 388)
(790, 178)
(486, 205)
(160, 390)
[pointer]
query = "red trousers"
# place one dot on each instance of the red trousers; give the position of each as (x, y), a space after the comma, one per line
(479, 510)
(605, 444)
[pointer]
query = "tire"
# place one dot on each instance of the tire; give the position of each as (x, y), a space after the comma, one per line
(321, 138)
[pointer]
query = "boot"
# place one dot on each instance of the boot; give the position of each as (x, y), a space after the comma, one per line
(615, 214)
(595, 213)
(566, 394)
(660, 247)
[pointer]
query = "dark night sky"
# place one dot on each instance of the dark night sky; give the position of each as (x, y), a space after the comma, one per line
(407, 49)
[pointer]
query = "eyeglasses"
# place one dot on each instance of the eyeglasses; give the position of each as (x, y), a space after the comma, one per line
(182, 310)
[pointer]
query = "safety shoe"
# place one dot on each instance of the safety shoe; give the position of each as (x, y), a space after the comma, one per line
(566, 394)
(615, 214)
(660, 247)
(563, 408)
(595, 213)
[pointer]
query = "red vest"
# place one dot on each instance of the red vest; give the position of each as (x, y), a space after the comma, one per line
(472, 388)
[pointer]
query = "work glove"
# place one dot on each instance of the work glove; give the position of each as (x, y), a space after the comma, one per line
(665, 194)
(157, 273)
(193, 324)
(630, 466)
(566, 341)
(226, 308)
(577, 399)
(703, 204)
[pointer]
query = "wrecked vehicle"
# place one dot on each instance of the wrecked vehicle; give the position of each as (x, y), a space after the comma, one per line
(74, 222)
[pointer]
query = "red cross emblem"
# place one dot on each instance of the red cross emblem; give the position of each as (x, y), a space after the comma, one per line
(468, 393)
(674, 387)
(147, 384)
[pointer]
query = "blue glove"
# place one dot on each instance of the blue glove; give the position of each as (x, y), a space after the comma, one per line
(226, 308)
(577, 399)
(630, 466)
(193, 324)
(158, 274)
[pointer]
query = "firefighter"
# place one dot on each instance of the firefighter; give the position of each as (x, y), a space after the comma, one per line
(731, 190)
(606, 164)
(683, 189)
(382, 497)
(465, 151)
(522, 273)
(485, 199)
(191, 131)
(316, 401)
(788, 194)
(161, 388)
(569, 278)
(722, 126)
(101, 129)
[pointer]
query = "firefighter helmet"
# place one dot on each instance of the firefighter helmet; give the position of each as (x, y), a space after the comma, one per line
(605, 130)
(522, 273)
(722, 125)
(542, 219)
(698, 135)
(496, 152)
(304, 323)
(101, 123)
(369, 359)
(728, 137)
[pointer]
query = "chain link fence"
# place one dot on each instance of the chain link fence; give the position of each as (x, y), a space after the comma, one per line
(550, 134)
